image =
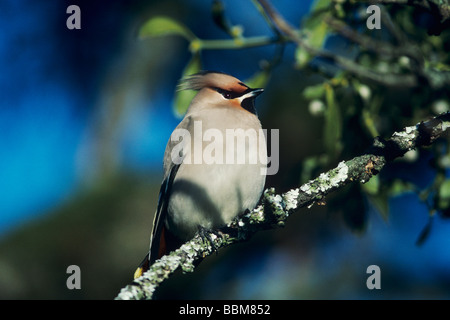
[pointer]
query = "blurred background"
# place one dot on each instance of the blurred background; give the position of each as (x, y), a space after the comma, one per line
(84, 119)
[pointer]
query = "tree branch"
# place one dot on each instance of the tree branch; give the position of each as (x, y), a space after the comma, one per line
(441, 7)
(284, 32)
(276, 208)
(378, 46)
(391, 79)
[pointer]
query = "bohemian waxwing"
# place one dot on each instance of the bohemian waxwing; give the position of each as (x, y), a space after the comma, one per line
(207, 184)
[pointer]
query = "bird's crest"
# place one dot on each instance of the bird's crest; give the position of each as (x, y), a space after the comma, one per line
(211, 79)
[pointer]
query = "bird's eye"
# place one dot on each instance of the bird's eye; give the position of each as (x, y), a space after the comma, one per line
(226, 94)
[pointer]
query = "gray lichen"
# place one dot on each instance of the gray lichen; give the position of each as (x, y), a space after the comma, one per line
(327, 180)
(408, 133)
(290, 199)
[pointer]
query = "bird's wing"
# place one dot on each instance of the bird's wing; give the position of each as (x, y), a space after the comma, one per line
(157, 240)
(157, 244)
(158, 237)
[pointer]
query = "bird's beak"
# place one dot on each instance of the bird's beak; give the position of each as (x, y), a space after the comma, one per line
(256, 92)
(251, 93)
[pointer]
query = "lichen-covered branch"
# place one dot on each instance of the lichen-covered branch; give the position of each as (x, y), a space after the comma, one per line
(274, 209)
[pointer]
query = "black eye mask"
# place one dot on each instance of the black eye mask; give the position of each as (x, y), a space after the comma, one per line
(248, 103)
(230, 94)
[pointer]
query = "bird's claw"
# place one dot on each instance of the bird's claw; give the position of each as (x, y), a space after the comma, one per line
(206, 233)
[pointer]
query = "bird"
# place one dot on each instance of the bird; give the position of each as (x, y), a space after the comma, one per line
(197, 195)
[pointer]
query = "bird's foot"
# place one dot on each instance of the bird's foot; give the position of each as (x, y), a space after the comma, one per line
(208, 234)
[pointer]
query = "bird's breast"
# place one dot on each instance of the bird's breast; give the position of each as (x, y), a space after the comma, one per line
(228, 178)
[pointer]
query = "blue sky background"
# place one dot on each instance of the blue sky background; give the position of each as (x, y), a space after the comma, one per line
(40, 123)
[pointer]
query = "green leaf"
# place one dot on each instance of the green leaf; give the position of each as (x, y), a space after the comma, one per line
(321, 5)
(317, 34)
(377, 196)
(259, 79)
(372, 186)
(314, 92)
(444, 190)
(302, 57)
(333, 123)
(442, 199)
(184, 97)
(315, 31)
(314, 25)
(163, 26)
(399, 187)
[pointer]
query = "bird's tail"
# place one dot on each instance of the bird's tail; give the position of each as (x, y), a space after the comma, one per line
(143, 266)
(167, 243)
